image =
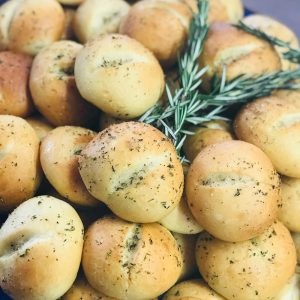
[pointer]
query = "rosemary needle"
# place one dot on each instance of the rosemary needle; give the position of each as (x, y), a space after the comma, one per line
(291, 54)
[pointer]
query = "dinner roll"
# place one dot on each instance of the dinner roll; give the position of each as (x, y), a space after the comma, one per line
(134, 169)
(59, 155)
(15, 98)
(130, 261)
(289, 211)
(241, 52)
(40, 125)
(160, 25)
(254, 269)
(53, 86)
(28, 26)
(209, 133)
(195, 289)
(230, 11)
(275, 28)
(291, 291)
(187, 245)
(82, 290)
(233, 190)
(20, 172)
(96, 17)
(181, 220)
(296, 238)
(119, 76)
(40, 249)
(273, 124)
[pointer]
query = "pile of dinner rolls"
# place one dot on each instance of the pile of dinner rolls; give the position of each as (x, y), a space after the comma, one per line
(97, 205)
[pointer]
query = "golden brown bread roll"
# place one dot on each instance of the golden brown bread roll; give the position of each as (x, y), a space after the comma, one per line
(134, 169)
(181, 220)
(277, 29)
(25, 25)
(233, 190)
(160, 25)
(209, 133)
(241, 52)
(20, 171)
(256, 269)
(97, 17)
(187, 244)
(195, 289)
(82, 290)
(40, 125)
(289, 211)
(60, 150)
(40, 249)
(53, 86)
(273, 124)
(14, 78)
(122, 64)
(229, 11)
(130, 261)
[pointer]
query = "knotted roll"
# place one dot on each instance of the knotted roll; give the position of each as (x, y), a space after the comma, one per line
(160, 25)
(130, 261)
(119, 75)
(28, 26)
(228, 186)
(40, 249)
(20, 171)
(134, 169)
(252, 270)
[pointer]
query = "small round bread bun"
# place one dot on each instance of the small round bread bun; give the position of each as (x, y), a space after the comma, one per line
(53, 87)
(211, 132)
(241, 52)
(15, 98)
(273, 124)
(275, 28)
(160, 25)
(229, 11)
(68, 33)
(112, 64)
(195, 289)
(181, 220)
(134, 169)
(255, 269)
(40, 249)
(82, 290)
(296, 239)
(233, 190)
(187, 245)
(97, 17)
(130, 261)
(28, 26)
(291, 291)
(60, 150)
(20, 171)
(289, 211)
(40, 125)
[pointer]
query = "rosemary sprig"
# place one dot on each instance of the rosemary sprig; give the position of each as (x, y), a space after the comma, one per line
(187, 106)
(291, 54)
